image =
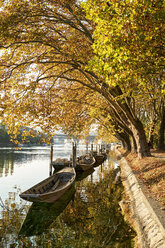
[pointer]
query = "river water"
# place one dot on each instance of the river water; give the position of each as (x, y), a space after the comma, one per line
(88, 215)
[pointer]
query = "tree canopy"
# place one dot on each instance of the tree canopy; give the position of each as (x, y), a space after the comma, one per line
(66, 64)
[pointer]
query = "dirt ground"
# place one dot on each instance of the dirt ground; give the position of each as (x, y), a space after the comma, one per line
(151, 172)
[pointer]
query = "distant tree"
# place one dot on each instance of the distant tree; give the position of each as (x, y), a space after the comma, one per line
(4, 136)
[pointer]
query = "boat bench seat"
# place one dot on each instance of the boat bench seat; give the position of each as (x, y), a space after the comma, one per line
(55, 184)
(65, 179)
(45, 188)
(31, 191)
(41, 189)
(52, 185)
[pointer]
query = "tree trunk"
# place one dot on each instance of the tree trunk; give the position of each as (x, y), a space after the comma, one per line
(151, 133)
(161, 143)
(123, 136)
(133, 144)
(127, 117)
(140, 138)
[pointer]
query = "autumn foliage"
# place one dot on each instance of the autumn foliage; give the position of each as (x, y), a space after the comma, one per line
(66, 64)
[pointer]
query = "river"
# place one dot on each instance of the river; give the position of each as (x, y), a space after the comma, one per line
(88, 215)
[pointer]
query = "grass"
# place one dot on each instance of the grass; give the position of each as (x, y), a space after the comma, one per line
(151, 171)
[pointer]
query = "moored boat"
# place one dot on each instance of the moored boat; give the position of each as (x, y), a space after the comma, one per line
(104, 154)
(85, 162)
(99, 157)
(61, 163)
(52, 188)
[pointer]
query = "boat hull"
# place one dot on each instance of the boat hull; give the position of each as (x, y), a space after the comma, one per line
(52, 188)
(49, 198)
(59, 164)
(99, 159)
(85, 163)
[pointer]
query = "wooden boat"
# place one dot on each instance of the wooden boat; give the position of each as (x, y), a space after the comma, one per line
(52, 188)
(61, 163)
(99, 157)
(85, 162)
(105, 155)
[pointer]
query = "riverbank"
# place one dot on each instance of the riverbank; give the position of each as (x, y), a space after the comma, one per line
(144, 186)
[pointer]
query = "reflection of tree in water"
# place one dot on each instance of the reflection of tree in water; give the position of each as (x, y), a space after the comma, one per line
(8, 158)
(94, 221)
(42, 214)
(98, 222)
(6, 164)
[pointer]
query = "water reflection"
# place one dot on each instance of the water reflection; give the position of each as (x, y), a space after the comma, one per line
(42, 214)
(80, 175)
(10, 157)
(6, 164)
(96, 218)
(93, 219)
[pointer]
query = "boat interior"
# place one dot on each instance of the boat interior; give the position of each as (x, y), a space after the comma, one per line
(50, 184)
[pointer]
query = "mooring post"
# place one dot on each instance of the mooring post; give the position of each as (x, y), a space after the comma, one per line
(92, 149)
(100, 148)
(96, 148)
(106, 148)
(87, 147)
(73, 155)
(75, 146)
(51, 159)
(101, 168)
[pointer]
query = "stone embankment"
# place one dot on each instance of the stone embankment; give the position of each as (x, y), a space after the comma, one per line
(149, 226)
